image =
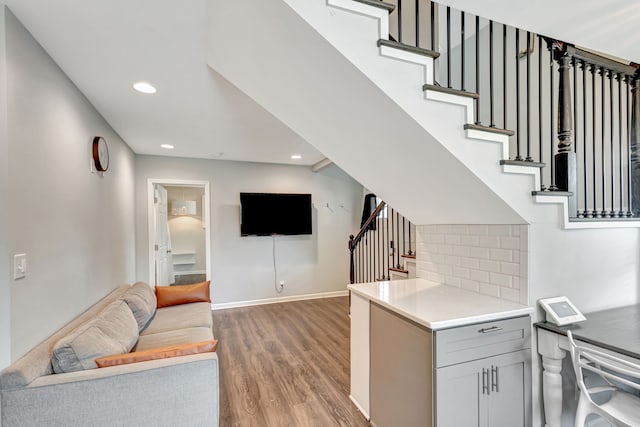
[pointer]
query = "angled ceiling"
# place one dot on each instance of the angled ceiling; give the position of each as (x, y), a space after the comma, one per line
(105, 46)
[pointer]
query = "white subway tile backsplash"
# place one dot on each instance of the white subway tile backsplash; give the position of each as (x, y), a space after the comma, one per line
(470, 263)
(490, 266)
(510, 243)
(501, 255)
(487, 289)
(489, 259)
(480, 276)
(470, 240)
(500, 280)
(481, 253)
(489, 242)
(470, 285)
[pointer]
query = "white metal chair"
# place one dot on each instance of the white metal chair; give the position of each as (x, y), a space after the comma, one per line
(622, 408)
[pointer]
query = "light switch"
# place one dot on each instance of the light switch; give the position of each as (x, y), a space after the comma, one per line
(19, 266)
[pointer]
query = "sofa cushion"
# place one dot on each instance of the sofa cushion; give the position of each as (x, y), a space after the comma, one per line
(176, 337)
(179, 317)
(183, 294)
(141, 299)
(113, 331)
(166, 352)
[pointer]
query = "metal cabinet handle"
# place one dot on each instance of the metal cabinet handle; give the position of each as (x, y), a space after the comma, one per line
(491, 329)
(485, 382)
(494, 379)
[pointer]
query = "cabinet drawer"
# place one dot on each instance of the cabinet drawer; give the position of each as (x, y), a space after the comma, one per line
(457, 345)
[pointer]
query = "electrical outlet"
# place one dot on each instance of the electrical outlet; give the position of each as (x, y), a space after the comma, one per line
(281, 282)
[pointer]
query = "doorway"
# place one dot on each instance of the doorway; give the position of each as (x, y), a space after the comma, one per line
(179, 238)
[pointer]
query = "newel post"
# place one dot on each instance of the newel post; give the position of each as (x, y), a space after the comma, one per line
(634, 146)
(565, 159)
(352, 272)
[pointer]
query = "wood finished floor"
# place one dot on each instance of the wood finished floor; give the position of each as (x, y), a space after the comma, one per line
(286, 365)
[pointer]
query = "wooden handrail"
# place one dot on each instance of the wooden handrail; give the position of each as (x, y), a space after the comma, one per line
(354, 241)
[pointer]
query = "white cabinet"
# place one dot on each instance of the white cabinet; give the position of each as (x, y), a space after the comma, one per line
(494, 392)
(476, 375)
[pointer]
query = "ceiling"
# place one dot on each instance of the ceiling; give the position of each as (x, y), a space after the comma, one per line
(105, 46)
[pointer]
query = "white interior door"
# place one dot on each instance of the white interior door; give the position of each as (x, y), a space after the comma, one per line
(163, 262)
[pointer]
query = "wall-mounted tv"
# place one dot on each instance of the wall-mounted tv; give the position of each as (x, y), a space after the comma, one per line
(266, 214)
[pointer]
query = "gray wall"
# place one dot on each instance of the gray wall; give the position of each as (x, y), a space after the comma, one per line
(77, 228)
(5, 298)
(242, 267)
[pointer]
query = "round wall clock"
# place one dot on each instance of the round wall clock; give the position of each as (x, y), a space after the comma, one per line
(100, 154)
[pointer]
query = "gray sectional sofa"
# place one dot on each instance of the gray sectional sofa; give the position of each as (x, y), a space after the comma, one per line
(58, 383)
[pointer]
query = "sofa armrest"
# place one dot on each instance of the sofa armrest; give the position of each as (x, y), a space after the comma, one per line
(180, 391)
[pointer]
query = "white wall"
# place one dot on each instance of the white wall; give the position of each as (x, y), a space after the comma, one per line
(242, 267)
(5, 296)
(488, 259)
(77, 228)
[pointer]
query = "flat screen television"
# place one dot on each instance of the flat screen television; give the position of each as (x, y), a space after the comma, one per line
(267, 214)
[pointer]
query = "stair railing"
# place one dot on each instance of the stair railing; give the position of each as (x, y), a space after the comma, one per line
(566, 110)
(377, 248)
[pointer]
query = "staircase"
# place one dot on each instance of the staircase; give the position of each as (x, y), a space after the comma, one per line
(512, 111)
(384, 248)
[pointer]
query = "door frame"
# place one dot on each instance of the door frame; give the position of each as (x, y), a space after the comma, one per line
(206, 219)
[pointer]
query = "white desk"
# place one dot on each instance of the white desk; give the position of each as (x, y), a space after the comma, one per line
(617, 330)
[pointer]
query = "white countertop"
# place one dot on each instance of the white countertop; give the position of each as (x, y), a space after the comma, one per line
(438, 306)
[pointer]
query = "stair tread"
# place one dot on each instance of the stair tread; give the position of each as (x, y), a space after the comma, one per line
(474, 126)
(408, 48)
(551, 193)
(413, 256)
(379, 4)
(605, 219)
(399, 270)
(450, 91)
(523, 163)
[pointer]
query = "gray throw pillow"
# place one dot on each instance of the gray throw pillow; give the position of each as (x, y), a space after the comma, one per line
(113, 331)
(141, 299)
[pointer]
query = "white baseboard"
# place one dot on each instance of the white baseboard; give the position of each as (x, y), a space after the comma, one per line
(224, 305)
(360, 408)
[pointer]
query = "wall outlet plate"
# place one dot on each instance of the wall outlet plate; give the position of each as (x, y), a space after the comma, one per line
(19, 266)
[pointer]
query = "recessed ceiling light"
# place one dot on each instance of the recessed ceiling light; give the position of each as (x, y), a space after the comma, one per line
(167, 146)
(296, 157)
(144, 87)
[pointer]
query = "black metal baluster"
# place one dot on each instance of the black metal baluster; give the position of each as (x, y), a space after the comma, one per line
(417, 23)
(410, 249)
(619, 78)
(478, 69)
(398, 237)
(448, 47)
(629, 207)
(380, 249)
(575, 118)
(584, 134)
(492, 122)
(399, 12)
(395, 243)
(518, 157)
(433, 25)
(540, 147)
(387, 246)
(462, 36)
(552, 177)
(593, 137)
(603, 212)
(612, 213)
(404, 245)
(528, 159)
(504, 76)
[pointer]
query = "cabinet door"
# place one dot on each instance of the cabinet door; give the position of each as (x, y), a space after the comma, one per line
(510, 394)
(461, 395)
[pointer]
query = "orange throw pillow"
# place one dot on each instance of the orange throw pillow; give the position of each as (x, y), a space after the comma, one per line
(158, 353)
(182, 294)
